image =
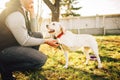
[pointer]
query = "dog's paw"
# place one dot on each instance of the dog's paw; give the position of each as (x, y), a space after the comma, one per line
(100, 66)
(65, 66)
(85, 63)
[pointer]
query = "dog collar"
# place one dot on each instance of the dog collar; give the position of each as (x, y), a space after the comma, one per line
(59, 35)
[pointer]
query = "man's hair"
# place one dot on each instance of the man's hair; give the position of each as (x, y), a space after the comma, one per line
(11, 6)
(13, 3)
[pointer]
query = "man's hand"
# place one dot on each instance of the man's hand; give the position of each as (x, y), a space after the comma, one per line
(52, 42)
(31, 10)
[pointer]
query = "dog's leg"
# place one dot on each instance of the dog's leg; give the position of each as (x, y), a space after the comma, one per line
(86, 51)
(98, 59)
(66, 57)
(95, 50)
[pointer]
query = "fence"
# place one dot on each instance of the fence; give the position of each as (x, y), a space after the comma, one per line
(99, 24)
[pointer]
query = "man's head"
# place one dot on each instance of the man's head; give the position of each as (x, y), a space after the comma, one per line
(27, 4)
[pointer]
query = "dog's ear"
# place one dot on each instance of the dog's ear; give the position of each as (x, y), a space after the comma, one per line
(62, 29)
(47, 26)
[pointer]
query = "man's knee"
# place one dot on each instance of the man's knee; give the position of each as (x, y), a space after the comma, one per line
(39, 64)
(42, 60)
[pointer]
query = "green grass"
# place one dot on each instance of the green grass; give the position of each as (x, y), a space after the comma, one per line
(109, 49)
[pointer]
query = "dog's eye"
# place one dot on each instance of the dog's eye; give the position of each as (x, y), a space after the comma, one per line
(47, 26)
(53, 23)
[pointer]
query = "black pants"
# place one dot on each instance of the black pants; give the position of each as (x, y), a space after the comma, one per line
(18, 58)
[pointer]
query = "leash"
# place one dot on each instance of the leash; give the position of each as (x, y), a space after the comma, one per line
(60, 45)
(59, 42)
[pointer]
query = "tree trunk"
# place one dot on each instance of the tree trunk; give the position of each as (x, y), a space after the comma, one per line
(54, 9)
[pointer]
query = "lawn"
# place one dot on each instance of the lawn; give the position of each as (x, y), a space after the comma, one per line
(109, 50)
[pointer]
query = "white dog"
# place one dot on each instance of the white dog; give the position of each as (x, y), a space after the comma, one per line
(70, 41)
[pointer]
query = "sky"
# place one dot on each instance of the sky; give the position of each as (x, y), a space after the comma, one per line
(89, 7)
(93, 7)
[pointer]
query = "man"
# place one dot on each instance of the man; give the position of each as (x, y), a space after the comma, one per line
(19, 43)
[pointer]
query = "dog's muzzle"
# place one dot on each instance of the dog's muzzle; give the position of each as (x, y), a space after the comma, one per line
(51, 31)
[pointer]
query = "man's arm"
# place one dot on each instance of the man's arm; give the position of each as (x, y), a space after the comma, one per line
(16, 23)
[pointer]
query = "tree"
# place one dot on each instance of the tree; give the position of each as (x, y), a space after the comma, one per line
(54, 7)
(70, 8)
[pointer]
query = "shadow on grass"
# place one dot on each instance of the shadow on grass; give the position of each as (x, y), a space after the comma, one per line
(88, 75)
(35, 75)
(74, 74)
(109, 59)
